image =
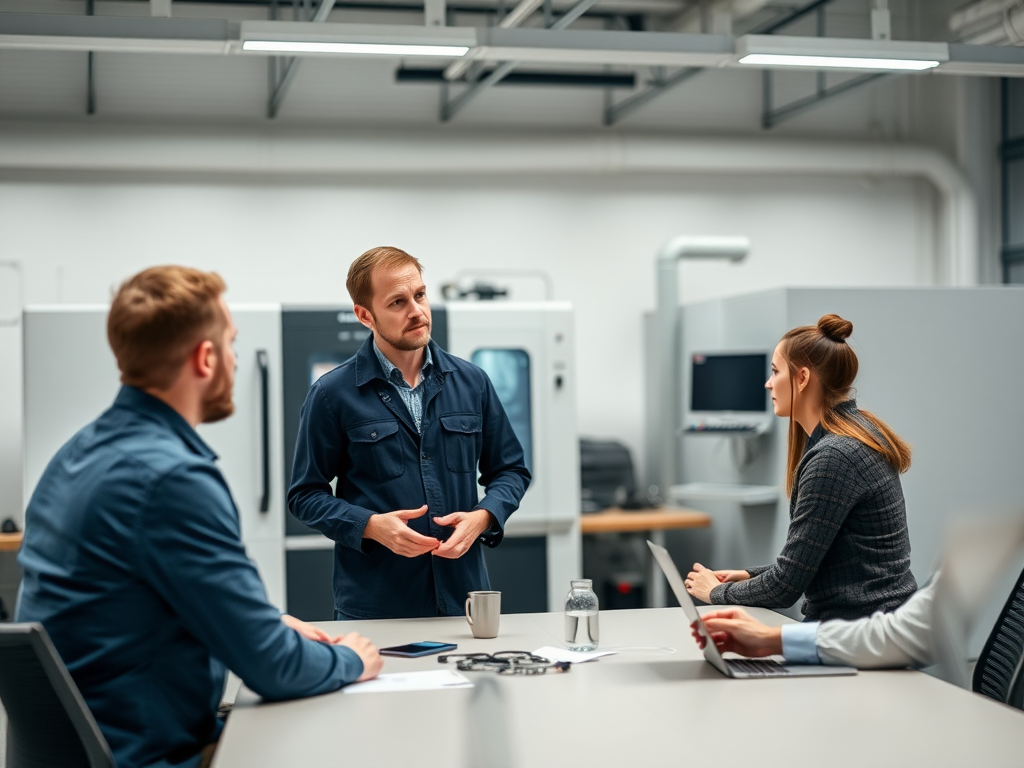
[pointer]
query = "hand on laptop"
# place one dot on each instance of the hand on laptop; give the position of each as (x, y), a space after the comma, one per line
(733, 629)
(727, 576)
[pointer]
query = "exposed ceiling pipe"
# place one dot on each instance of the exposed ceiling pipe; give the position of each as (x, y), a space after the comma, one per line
(46, 148)
(1013, 25)
(979, 12)
(990, 22)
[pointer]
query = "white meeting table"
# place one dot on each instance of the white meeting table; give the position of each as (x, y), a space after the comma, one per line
(636, 709)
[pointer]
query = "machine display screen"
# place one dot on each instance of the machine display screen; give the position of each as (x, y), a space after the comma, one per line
(509, 372)
(320, 367)
(729, 383)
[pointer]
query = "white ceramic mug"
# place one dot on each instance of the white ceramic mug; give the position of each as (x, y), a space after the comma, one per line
(483, 611)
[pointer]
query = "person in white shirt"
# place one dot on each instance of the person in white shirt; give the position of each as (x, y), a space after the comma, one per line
(902, 638)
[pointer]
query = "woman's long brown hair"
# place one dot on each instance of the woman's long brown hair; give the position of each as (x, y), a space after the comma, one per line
(823, 349)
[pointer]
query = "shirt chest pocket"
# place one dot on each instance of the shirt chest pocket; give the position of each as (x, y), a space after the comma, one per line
(462, 435)
(376, 450)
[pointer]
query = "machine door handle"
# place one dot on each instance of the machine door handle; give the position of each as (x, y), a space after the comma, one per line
(262, 361)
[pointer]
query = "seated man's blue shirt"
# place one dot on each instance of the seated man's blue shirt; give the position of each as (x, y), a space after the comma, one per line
(355, 427)
(134, 564)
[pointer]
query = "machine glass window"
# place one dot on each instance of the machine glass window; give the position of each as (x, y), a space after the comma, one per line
(509, 372)
(318, 366)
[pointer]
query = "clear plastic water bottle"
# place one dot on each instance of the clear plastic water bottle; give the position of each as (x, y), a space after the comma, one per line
(582, 632)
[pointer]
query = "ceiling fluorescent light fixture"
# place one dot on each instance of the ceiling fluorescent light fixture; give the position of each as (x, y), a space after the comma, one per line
(302, 38)
(370, 49)
(834, 62)
(825, 53)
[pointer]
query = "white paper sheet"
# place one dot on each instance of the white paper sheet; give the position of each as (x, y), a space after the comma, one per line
(576, 657)
(430, 680)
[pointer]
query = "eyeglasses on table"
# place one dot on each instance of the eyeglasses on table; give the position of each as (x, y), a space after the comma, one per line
(504, 663)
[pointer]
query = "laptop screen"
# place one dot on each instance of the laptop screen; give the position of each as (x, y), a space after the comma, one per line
(686, 602)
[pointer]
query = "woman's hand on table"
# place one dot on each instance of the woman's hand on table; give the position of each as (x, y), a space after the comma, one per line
(700, 581)
(727, 576)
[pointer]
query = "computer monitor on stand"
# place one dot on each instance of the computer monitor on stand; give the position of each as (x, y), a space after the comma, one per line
(727, 394)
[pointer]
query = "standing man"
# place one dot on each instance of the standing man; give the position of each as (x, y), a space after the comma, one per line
(403, 426)
(133, 558)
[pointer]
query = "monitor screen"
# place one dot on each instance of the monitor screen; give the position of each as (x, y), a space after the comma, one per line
(729, 382)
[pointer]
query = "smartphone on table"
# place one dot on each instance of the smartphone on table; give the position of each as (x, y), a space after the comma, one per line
(412, 650)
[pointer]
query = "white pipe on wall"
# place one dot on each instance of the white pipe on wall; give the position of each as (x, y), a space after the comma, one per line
(29, 148)
(669, 340)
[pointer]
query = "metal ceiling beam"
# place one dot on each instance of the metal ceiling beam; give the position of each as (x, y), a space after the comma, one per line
(615, 112)
(774, 26)
(566, 46)
(435, 13)
(451, 107)
(523, 10)
(143, 34)
(660, 8)
(771, 117)
(140, 34)
(288, 67)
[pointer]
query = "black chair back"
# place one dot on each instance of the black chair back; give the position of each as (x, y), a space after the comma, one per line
(998, 673)
(48, 721)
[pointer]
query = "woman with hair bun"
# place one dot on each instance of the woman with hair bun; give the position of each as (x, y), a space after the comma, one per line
(847, 550)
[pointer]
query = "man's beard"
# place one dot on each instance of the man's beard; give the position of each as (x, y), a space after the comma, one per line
(404, 344)
(218, 402)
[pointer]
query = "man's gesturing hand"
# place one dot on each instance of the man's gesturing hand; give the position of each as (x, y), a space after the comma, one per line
(392, 530)
(468, 527)
(372, 662)
(733, 629)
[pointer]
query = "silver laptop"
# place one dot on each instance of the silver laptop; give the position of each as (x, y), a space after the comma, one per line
(738, 667)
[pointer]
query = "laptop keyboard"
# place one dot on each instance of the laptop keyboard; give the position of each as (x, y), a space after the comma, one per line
(758, 667)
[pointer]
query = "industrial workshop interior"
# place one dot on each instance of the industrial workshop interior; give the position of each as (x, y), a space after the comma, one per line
(511, 383)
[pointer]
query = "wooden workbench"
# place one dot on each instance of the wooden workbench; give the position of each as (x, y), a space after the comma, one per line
(653, 522)
(626, 521)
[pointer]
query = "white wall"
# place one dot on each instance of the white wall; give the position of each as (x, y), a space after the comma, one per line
(595, 236)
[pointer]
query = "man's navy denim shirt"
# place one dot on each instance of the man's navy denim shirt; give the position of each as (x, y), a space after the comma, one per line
(134, 565)
(355, 427)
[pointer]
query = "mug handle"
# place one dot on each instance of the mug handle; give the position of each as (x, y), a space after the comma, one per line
(468, 617)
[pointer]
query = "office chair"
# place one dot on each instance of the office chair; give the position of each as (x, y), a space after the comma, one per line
(998, 673)
(48, 723)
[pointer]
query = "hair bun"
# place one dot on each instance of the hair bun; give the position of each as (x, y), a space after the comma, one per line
(835, 328)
